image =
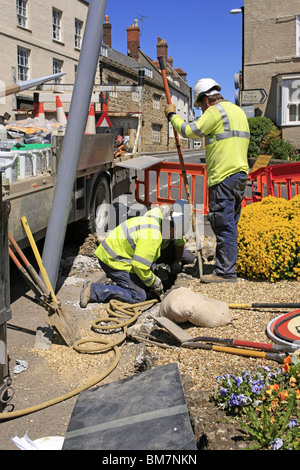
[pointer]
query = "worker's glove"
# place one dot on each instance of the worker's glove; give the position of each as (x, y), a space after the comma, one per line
(176, 268)
(170, 110)
(157, 286)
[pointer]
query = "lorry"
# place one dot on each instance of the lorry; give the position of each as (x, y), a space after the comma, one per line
(28, 183)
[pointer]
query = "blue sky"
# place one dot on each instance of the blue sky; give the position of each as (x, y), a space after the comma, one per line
(203, 37)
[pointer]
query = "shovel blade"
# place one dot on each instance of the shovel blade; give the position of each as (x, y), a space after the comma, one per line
(65, 325)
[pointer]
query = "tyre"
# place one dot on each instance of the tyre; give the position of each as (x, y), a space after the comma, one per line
(100, 207)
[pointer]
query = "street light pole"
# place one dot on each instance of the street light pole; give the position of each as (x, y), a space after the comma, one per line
(236, 11)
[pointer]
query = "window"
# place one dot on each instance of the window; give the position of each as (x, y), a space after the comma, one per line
(23, 64)
(156, 132)
(78, 34)
(136, 96)
(112, 82)
(57, 68)
(288, 100)
(156, 102)
(56, 24)
(22, 19)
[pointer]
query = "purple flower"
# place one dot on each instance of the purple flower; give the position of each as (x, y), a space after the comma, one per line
(293, 423)
(257, 386)
(276, 444)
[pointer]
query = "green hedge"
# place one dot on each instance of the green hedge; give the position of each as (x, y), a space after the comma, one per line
(265, 139)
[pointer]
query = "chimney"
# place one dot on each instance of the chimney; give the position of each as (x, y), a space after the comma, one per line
(162, 49)
(133, 40)
(107, 32)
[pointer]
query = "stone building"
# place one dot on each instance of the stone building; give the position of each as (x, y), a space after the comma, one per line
(41, 38)
(271, 61)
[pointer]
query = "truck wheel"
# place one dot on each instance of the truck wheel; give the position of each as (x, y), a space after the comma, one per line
(100, 207)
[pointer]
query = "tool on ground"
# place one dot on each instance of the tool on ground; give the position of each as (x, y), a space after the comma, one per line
(187, 341)
(264, 305)
(58, 316)
(183, 170)
(247, 344)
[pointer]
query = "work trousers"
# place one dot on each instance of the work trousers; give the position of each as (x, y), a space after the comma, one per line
(129, 288)
(225, 204)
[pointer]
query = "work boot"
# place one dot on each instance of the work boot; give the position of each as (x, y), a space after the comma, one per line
(210, 278)
(85, 294)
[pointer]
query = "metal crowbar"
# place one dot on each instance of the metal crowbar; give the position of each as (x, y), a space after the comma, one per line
(58, 317)
(183, 171)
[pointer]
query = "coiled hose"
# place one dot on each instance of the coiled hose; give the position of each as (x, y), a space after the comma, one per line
(122, 315)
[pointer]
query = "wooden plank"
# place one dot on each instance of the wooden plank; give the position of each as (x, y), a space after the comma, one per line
(173, 329)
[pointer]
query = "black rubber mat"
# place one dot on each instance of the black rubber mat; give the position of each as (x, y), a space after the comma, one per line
(144, 412)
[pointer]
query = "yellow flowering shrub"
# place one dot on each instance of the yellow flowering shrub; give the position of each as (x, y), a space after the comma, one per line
(269, 239)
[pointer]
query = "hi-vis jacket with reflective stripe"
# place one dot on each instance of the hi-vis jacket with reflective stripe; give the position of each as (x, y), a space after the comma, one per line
(134, 245)
(226, 130)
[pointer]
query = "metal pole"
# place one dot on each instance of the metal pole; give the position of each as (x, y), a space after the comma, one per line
(87, 66)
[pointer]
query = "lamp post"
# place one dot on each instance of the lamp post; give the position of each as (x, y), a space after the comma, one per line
(236, 11)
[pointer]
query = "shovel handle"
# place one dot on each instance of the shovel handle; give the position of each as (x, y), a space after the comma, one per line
(32, 272)
(182, 166)
(238, 351)
(245, 344)
(37, 256)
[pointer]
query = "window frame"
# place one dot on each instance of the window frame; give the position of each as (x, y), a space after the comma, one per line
(58, 69)
(26, 66)
(285, 102)
(56, 27)
(78, 35)
(22, 13)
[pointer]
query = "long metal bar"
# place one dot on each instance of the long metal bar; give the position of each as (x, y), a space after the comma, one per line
(87, 66)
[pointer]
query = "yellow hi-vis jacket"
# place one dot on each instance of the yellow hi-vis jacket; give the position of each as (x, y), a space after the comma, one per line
(134, 245)
(225, 128)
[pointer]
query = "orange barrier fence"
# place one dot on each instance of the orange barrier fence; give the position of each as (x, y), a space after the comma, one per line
(276, 180)
(173, 186)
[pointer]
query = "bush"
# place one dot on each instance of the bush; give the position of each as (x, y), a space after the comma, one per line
(259, 128)
(265, 139)
(282, 150)
(269, 239)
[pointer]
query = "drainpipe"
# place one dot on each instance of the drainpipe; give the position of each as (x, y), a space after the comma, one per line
(66, 175)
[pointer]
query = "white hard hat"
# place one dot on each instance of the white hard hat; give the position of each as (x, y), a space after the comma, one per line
(205, 86)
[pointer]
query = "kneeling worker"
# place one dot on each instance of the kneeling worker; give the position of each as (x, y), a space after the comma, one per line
(127, 255)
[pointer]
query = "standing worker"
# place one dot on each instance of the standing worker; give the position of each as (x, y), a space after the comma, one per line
(225, 128)
(128, 255)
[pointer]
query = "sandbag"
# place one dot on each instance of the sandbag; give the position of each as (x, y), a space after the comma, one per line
(183, 305)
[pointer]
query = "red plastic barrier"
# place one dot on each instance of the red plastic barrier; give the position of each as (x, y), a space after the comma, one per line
(287, 174)
(266, 181)
(174, 190)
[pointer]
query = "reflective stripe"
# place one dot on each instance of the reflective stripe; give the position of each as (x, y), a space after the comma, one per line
(224, 116)
(183, 129)
(113, 254)
(194, 128)
(229, 134)
(128, 231)
(144, 261)
(150, 281)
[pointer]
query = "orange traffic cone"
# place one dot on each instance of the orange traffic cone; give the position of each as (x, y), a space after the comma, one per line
(41, 113)
(60, 114)
(91, 121)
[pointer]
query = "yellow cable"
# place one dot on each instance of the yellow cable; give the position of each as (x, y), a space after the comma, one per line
(131, 312)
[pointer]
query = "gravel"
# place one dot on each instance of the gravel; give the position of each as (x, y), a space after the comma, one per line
(198, 368)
